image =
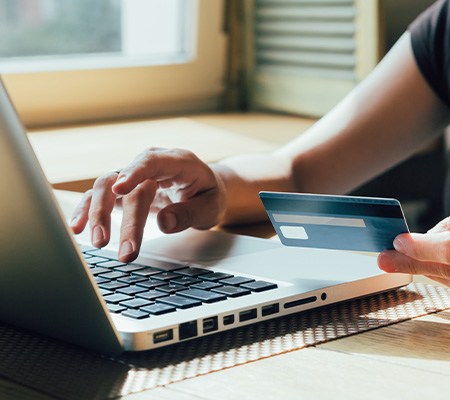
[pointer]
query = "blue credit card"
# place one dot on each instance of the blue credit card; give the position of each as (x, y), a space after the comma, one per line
(335, 222)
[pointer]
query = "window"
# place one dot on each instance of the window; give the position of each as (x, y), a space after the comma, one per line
(81, 60)
(308, 54)
(67, 34)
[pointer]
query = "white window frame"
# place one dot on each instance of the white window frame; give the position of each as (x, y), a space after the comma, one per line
(71, 96)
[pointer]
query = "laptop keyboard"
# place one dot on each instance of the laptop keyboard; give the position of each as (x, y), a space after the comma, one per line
(140, 291)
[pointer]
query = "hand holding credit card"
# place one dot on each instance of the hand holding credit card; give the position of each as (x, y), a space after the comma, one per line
(335, 222)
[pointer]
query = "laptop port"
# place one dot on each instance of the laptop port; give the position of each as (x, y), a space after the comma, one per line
(323, 296)
(299, 302)
(188, 330)
(270, 309)
(163, 336)
(247, 315)
(210, 325)
(228, 319)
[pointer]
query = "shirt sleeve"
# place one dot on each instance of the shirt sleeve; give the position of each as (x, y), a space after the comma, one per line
(430, 39)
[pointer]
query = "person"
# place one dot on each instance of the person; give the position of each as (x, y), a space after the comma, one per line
(394, 112)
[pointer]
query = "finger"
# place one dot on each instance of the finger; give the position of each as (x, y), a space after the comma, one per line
(102, 204)
(80, 216)
(442, 226)
(136, 207)
(393, 261)
(434, 247)
(200, 212)
(177, 166)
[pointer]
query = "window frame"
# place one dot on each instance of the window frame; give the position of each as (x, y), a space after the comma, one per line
(87, 95)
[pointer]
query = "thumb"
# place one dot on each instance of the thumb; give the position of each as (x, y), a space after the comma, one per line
(434, 247)
(201, 212)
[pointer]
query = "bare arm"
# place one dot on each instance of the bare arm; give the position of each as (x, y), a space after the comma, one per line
(388, 117)
(384, 120)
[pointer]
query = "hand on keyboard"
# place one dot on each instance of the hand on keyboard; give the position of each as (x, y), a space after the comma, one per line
(182, 190)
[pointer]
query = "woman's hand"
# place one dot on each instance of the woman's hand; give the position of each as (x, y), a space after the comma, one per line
(176, 185)
(425, 254)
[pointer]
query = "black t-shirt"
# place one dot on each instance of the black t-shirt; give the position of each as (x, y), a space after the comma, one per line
(430, 38)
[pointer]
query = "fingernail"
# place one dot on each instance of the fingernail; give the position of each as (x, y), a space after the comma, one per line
(169, 221)
(386, 263)
(74, 221)
(97, 235)
(126, 248)
(399, 245)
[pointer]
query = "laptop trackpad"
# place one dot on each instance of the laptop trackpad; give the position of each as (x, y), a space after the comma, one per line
(205, 247)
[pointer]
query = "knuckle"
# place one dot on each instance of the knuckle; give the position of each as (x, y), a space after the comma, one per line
(139, 194)
(130, 228)
(97, 215)
(88, 194)
(102, 182)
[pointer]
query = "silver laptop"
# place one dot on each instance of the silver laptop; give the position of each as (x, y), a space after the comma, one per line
(182, 286)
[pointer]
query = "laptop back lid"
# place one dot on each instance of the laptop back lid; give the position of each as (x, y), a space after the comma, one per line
(44, 285)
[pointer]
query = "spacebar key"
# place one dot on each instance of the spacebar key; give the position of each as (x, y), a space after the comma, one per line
(202, 295)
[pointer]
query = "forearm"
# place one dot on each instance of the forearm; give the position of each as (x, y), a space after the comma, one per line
(384, 120)
(387, 118)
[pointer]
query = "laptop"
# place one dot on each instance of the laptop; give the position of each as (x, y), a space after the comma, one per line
(182, 286)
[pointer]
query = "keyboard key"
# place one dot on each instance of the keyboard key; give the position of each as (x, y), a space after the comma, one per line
(136, 314)
(206, 285)
(193, 271)
(151, 295)
(185, 280)
(84, 248)
(236, 280)
(259, 286)
(130, 268)
(171, 288)
(165, 276)
(146, 272)
(165, 266)
(216, 276)
(136, 303)
(232, 291)
(115, 308)
(113, 285)
(151, 283)
(116, 298)
(105, 292)
(131, 279)
(203, 295)
(131, 290)
(101, 280)
(98, 270)
(113, 275)
(111, 264)
(159, 308)
(102, 253)
(96, 260)
(179, 301)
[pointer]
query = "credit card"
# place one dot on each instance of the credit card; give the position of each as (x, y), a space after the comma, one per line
(335, 222)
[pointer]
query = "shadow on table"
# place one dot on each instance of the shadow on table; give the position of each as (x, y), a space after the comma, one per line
(68, 372)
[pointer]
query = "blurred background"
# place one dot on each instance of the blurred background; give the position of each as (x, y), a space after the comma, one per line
(71, 62)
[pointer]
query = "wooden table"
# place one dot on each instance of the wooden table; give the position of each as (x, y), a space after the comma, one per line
(409, 360)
